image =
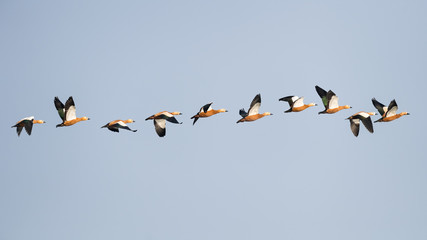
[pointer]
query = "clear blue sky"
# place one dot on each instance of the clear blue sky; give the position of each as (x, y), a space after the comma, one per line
(286, 176)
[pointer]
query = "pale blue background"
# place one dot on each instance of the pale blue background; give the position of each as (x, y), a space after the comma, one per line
(287, 176)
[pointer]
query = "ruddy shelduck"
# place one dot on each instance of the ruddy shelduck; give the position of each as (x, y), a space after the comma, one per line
(296, 103)
(365, 117)
(330, 101)
(67, 112)
(388, 114)
(26, 123)
(159, 120)
(117, 124)
(253, 114)
(206, 111)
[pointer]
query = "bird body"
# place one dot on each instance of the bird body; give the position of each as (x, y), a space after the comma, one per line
(117, 124)
(26, 123)
(296, 103)
(388, 113)
(67, 113)
(206, 111)
(365, 117)
(253, 113)
(330, 101)
(159, 120)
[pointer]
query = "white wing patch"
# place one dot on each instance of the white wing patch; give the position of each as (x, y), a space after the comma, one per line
(161, 123)
(254, 109)
(299, 102)
(294, 98)
(355, 121)
(27, 118)
(167, 114)
(333, 103)
(364, 114)
(121, 123)
(71, 113)
(385, 109)
(391, 112)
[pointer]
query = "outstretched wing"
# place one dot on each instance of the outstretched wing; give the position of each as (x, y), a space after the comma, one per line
(195, 120)
(172, 120)
(206, 107)
(299, 102)
(379, 106)
(122, 125)
(322, 94)
(28, 124)
(392, 109)
(160, 126)
(290, 99)
(243, 113)
(113, 128)
(70, 109)
(255, 104)
(332, 100)
(60, 108)
(19, 130)
(368, 124)
(354, 125)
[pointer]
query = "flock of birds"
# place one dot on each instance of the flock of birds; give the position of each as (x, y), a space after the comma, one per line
(67, 113)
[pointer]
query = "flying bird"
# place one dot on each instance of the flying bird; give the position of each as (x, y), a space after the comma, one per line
(159, 120)
(330, 100)
(365, 117)
(26, 123)
(389, 113)
(296, 103)
(117, 124)
(253, 114)
(206, 111)
(67, 113)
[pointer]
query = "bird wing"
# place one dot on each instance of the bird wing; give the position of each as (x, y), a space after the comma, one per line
(290, 99)
(354, 126)
(322, 94)
(28, 124)
(195, 119)
(392, 109)
(332, 100)
(160, 126)
(70, 109)
(19, 130)
(60, 108)
(167, 116)
(299, 102)
(368, 124)
(113, 128)
(206, 107)
(243, 113)
(379, 106)
(122, 125)
(255, 104)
